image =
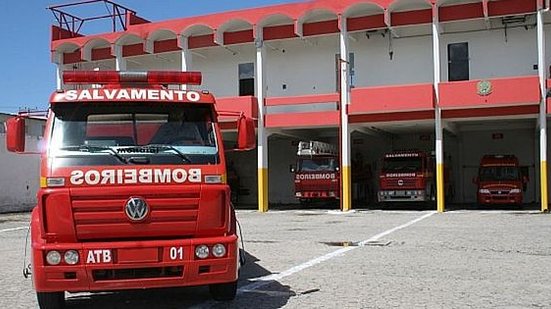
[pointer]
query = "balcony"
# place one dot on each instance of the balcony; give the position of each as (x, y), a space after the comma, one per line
(320, 110)
(499, 97)
(246, 104)
(392, 103)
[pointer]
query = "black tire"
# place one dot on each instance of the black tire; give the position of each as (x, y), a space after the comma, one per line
(51, 300)
(223, 291)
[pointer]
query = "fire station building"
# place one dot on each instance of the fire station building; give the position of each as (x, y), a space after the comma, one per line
(458, 78)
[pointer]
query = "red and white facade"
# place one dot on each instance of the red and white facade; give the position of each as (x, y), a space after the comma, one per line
(355, 70)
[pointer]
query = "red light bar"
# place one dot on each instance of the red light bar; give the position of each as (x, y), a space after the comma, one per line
(116, 77)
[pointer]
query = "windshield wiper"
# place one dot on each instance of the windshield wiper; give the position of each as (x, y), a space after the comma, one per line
(177, 152)
(95, 149)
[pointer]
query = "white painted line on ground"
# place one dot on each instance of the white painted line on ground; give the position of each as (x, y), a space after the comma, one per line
(14, 229)
(262, 281)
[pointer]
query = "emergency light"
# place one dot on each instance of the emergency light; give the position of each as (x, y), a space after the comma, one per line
(116, 77)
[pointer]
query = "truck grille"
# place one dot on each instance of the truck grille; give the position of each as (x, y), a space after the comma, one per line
(137, 273)
(171, 214)
(392, 183)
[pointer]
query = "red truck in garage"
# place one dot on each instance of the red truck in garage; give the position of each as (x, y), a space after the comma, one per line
(500, 180)
(133, 187)
(316, 172)
(409, 176)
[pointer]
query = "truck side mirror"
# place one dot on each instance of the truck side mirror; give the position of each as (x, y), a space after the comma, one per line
(246, 139)
(15, 134)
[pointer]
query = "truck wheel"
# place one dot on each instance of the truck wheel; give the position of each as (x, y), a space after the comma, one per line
(223, 291)
(51, 300)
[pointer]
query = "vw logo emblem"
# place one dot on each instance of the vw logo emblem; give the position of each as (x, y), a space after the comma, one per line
(136, 209)
(400, 182)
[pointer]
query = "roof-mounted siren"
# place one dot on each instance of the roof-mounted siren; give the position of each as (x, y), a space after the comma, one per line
(117, 77)
(313, 148)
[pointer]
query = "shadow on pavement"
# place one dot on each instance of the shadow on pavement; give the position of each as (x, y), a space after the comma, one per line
(271, 295)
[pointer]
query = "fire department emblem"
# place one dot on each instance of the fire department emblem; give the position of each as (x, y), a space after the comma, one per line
(484, 88)
(136, 209)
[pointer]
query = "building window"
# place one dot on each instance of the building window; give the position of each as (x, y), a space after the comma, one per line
(458, 61)
(246, 79)
(351, 71)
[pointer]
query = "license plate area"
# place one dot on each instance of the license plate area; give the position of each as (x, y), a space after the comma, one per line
(138, 255)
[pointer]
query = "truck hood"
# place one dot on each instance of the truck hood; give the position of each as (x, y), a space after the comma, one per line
(504, 184)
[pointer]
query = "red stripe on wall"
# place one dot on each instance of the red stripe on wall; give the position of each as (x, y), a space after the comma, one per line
(102, 53)
(246, 104)
(411, 17)
(303, 120)
(304, 99)
(237, 37)
(320, 27)
(165, 46)
(366, 22)
(461, 11)
(73, 57)
(510, 7)
(279, 32)
(401, 116)
(199, 41)
(490, 112)
(60, 33)
(384, 99)
(505, 91)
(132, 50)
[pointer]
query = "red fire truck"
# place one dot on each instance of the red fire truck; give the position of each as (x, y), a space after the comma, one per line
(133, 188)
(409, 176)
(500, 180)
(316, 172)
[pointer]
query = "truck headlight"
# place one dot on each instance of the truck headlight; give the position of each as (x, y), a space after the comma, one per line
(202, 251)
(515, 191)
(298, 194)
(53, 257)
(219, 250)
(484, 191)
(71, 257)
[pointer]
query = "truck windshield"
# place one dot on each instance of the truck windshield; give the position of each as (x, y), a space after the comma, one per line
(317, 165)
(133, 133)
(499, 173)
(402, 165)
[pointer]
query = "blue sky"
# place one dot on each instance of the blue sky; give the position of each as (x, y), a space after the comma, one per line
(27, 76)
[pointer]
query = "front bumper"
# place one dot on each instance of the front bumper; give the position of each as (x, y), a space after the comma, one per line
(402, 196)
(135, 265)
(317, 194)
(499, 199)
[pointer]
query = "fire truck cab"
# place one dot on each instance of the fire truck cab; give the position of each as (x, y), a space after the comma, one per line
(133, 187)
(407, 176)
(500, 180)
(316, 172)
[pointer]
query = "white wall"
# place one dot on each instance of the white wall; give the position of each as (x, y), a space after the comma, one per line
(19, 174)
(491, 56)
(411, 61)
(306, 66)
(220, 67)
